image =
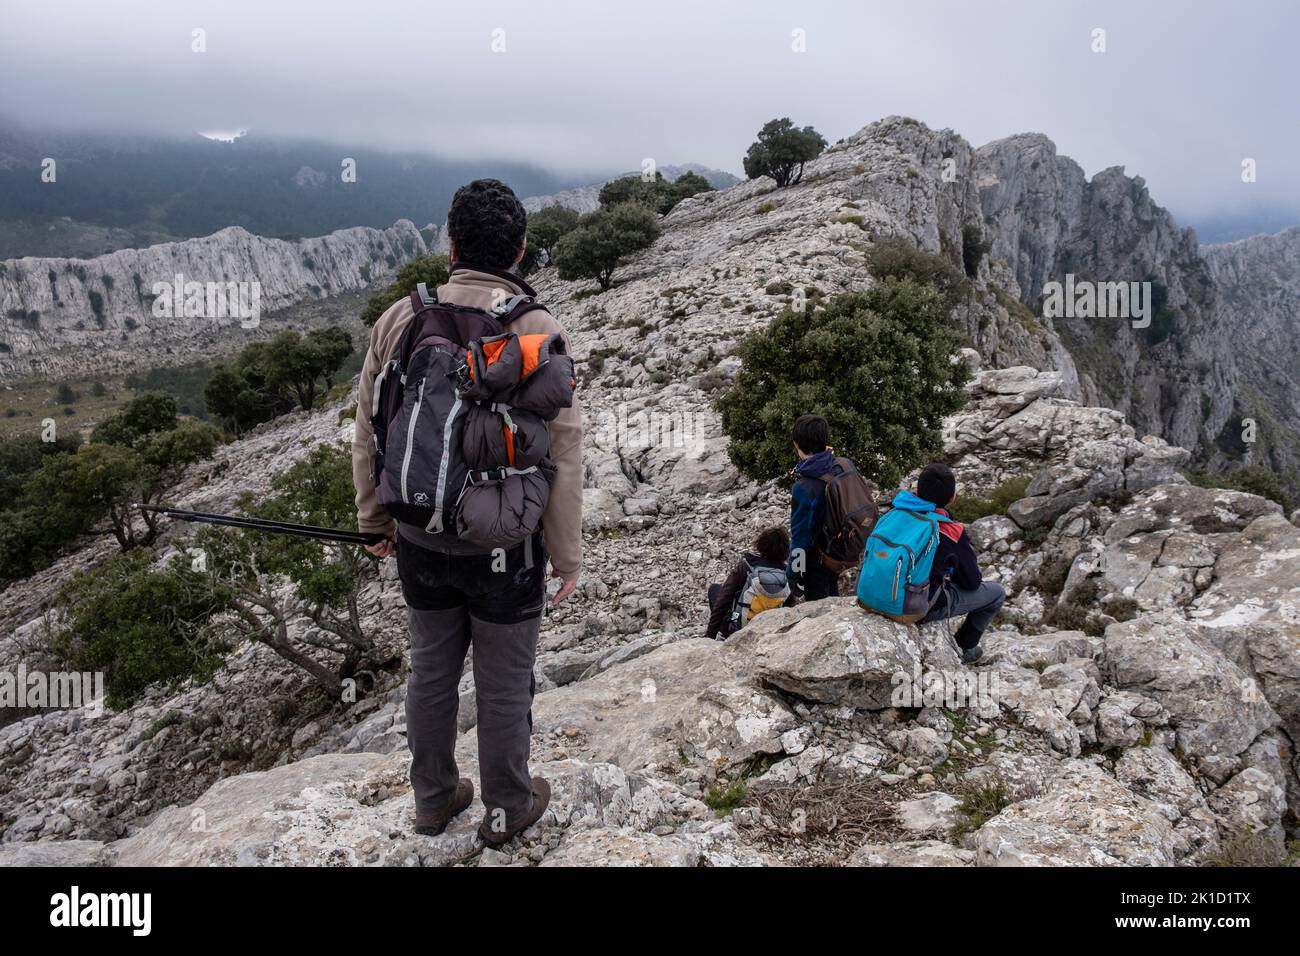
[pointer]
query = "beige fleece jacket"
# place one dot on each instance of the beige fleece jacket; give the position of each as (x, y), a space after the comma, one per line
(562, 520)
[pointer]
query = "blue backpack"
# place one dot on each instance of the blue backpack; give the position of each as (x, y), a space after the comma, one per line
(895, 578)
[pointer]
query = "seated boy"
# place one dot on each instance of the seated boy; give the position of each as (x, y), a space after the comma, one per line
(770, 551)
(956, 569)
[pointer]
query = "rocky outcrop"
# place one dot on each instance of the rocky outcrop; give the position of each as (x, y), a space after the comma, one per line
(1257, 279)
(1176, 378)
(1087, 819)
(60, 317)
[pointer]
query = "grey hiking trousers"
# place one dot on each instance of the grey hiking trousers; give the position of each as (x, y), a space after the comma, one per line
(493, 604)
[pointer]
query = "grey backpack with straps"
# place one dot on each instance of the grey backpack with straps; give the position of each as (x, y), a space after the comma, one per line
(459, 416)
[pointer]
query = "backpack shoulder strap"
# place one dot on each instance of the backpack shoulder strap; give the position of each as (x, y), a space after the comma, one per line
(422, 299)
(838, 469)
(515, 307)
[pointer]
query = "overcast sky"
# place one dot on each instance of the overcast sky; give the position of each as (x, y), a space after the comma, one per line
(1184, 92)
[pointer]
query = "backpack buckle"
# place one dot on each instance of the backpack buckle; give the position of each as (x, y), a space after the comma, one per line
(506, 306)
(463, 380)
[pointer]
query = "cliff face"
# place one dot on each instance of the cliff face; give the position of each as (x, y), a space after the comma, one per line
(63, 316)
(1177, 377)
(1259, 279)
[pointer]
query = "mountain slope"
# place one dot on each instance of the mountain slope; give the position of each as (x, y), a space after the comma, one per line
(1047, 220)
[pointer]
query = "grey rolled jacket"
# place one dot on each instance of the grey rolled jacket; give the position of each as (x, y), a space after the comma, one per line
(516, 384)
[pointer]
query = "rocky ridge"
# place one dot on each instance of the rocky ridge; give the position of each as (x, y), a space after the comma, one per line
(64, 316)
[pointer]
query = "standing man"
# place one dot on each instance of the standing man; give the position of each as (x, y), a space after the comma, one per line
(458, 595)
(808, 575)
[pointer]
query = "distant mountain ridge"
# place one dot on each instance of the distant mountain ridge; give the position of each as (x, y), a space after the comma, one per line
(62, 316)
(113, 192)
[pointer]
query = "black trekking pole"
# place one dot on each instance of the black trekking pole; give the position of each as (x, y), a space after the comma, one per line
(265, 524)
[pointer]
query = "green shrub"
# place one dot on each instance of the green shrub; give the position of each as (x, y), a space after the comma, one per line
(547, 226)
(973, 248)
(899, 258)
(594, 248)
(65, 491)
(268, 379)
(135, 455)
(876, 365)
(723, 797)
(657, 193)
(327, 577)
(431, 270)
(782, 150)
(980, 802)
(139, 625)
(185, 382)
(968, 509)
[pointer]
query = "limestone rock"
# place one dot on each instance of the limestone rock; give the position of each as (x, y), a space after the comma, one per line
(832, 652)
(930, 813)
(1087, 819)
(1214, 706)
(912, 853)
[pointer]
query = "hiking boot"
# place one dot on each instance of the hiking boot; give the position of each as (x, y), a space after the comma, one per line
(432, 824)
(970, 655)
(541, 800)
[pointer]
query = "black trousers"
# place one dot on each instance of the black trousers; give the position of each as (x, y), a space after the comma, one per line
(493, 603)
(820, 582)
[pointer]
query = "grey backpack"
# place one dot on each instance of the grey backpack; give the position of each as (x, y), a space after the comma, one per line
(459, 416)
(765, 589)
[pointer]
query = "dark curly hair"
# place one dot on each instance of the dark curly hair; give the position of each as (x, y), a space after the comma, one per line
(487, 223)
(774, 545)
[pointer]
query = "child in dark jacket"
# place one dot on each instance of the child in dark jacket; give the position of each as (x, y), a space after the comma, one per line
(808, 576)
(770, 550)
(956, 569)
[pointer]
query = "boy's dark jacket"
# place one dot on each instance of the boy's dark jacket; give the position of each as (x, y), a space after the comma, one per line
(955, 553)
(807, 513)
(720, 612)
